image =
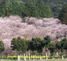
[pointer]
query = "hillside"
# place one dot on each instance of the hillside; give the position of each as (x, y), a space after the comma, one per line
(55, 1)
(34, 8)
(1, 0)
(28, 27)
(55, 5)
(39, 9)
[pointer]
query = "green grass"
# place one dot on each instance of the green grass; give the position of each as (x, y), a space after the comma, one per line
(35, 60)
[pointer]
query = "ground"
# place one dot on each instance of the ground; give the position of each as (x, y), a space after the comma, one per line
(36, 60)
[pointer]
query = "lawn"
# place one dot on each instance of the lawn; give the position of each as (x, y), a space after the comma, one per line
(36, 60)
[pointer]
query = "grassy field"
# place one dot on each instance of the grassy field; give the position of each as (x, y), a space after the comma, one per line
(36, 60)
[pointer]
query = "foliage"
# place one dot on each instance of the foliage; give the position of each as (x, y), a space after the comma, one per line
(47, 40)
(55, 5)
(36, 9)
(17, 8)
(43, 9)
(5, 8)
(63, 14)
(1, 46)
(64, 43)
(12, 7)
(30, 10)
(58, 45)
(8, 8)
(35, 56)
(19, 44)
(52, 47)
(36, 44)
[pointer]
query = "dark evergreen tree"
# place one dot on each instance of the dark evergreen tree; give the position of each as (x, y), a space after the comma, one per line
(43, 9)
(47, 40)
(1, 46)
(7, 7)
(64, 43)
(36, 45)
(52, 47)
(19, 45)
(63, 14)
(30, 10)
(58, 46)
(17, 8)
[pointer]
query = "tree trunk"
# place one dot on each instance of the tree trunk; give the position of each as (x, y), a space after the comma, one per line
(62, 57)
(33, 57)
(24, 58)
(40, 57)
(29, 54)
(46, 56)
(18, 58)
